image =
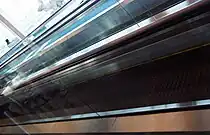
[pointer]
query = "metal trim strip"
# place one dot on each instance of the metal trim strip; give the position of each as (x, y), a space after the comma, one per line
(184, 121)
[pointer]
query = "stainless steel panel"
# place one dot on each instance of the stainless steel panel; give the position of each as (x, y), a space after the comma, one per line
(198, 120)
(98, 66)
(53, 115)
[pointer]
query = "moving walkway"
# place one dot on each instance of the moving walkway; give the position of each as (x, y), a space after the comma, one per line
(118, 58)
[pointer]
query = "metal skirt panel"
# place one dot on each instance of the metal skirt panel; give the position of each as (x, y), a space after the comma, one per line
(198, 120)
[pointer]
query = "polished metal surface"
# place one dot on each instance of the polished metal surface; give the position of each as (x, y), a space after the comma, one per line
(197, 120)
(90, 66)
(118, 112)
(24, 131)
(21, 120)
(141, 26)
(108, 63)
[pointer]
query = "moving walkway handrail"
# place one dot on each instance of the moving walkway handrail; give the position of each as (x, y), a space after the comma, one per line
(43, 35)
(119, 37)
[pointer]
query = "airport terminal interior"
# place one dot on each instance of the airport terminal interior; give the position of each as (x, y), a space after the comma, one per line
(104, 66)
